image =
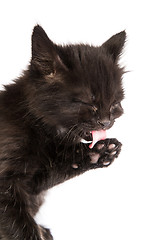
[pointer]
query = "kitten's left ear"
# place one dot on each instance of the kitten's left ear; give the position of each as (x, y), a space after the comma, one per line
(115, 44)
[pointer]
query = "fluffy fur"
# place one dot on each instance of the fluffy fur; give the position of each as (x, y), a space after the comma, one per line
(66, 93)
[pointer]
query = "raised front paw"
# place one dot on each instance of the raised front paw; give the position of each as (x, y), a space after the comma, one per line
(104, 152)
(101, 155)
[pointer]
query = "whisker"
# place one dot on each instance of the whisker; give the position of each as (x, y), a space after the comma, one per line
(68, 133)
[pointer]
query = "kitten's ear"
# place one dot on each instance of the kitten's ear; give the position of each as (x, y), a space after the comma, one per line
(115, 44)
(44, 52)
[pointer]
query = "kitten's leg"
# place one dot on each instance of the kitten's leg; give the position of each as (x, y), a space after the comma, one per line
(77, 160)
(16, 222)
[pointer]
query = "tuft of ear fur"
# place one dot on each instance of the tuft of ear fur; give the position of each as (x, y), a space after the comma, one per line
(45, 57)
(115, 44)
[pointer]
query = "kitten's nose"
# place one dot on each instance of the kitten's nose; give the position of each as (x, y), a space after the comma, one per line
(105, 123)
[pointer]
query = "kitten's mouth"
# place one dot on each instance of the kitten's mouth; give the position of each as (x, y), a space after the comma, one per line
(93, 137)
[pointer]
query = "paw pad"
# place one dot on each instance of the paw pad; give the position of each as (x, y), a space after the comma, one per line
(111, 146)
(113, 153)
(75, 166)
(100, 146)
(94, 157)
(106, 163)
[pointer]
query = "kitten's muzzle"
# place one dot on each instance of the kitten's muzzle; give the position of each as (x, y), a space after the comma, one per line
(105, 124)
(102, 125)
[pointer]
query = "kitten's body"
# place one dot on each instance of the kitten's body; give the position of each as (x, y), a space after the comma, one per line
(66, 95)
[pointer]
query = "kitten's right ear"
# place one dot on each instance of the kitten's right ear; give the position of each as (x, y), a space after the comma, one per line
(115, 44)
(45, 57)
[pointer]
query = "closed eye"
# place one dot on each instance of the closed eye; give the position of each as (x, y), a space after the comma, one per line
(82, 102)
(116, 110)
(89, 106)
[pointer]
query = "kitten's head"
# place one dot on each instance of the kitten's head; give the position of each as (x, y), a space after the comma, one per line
(75, 88)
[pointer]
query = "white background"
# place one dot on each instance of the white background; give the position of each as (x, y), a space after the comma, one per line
(122, 201)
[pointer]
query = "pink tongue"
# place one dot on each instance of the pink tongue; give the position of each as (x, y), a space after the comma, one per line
(97, 136)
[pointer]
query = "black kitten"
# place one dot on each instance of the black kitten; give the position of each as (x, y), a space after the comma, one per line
(53, 123)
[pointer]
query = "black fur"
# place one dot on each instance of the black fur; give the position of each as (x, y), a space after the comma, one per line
(67, 92)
